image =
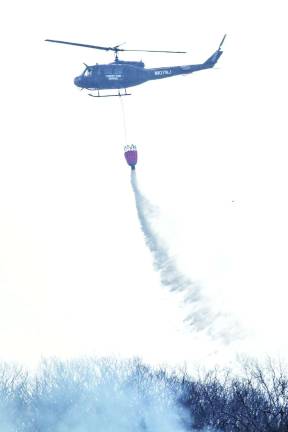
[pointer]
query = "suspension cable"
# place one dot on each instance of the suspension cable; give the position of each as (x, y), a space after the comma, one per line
(124, 120)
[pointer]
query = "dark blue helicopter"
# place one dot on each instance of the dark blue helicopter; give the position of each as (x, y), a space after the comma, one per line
(122, 74)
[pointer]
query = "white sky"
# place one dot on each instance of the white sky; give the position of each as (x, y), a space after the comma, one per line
(75, 275)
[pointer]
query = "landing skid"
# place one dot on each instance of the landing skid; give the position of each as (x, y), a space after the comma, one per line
(110, 95)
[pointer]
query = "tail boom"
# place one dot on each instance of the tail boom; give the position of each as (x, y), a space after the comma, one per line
(166, 72)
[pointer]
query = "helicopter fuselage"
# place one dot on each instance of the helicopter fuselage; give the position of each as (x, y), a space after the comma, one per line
(124, 74)
(116, 75)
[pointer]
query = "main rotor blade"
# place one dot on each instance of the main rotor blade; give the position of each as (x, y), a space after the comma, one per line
(81, 45)
(155, 51)
(115, 49)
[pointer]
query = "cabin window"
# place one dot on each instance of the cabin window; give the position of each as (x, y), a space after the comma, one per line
(108, 70)
(117, 70)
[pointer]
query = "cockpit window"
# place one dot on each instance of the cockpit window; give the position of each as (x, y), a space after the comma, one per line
(87, 72)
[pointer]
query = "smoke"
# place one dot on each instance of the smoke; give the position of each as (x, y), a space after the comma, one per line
(200, 316)
(5, 424)
(88, 395)
(105, 396)
(12, 382)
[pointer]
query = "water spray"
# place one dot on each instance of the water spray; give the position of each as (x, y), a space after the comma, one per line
(201, 317)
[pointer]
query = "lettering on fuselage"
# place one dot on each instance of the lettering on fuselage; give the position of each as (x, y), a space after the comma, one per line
(113, 77)
(163, 72)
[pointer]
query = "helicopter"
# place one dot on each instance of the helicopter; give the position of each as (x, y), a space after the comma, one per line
(120, 75)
